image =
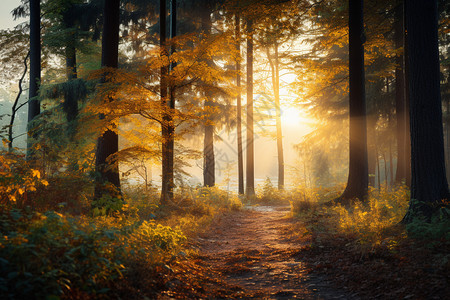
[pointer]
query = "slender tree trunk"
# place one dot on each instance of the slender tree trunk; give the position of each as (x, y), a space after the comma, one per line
(276, 88)
(400, 101)
(239, 108)
(209, 167)
(429, 183)
(358, 169)
(391, 166)
(372, 160)
(208, 152)
(34, 108)
(167, 183)
(106, 165)
(16, 101)
(170, 121)
(378, 168)
(407, 106)
(447, 134)
(385, 170)
(250, 188)
(70, 101)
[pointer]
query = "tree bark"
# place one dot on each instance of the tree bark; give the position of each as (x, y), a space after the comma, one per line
(209, 166)
(358, 166)
(167, 182)
(429, 183)
(275, 68)
(106, 164)
(407, 106)
(70, 101)
(400, 101)
(250, 187)
(208, 152)
(34, 108)
(239, 109)
(371, 150)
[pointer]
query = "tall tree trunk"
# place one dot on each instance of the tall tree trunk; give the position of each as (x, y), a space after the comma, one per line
(209, 178)
(275, 72)
(167, 183)
(70, 101)
(170, 121)
(239, 109)
(34, 108)
(378, 167)
(371, 151)
(386, 180)
(250, 187)
(106, 164)
(358, 166)
(400, 101)
(429, 182)
(276, 88)
(391, 166)
(407, 100)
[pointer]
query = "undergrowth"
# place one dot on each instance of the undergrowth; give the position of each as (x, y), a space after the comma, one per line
(349, 243)
(56, 242)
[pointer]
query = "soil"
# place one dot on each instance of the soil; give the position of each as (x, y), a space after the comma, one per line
(256, 255)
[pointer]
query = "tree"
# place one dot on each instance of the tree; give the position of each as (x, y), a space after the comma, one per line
(167, 128)
(358, 177)
(106, 165)
(428, 178)
(403, 162)
(34, 108)
(239, 107)
(275, 68)
(250, 170)
(209, 177)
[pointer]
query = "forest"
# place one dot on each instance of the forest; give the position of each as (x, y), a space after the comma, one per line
(225, 149)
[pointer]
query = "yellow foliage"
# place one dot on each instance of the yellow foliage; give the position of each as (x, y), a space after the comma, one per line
(368, 221)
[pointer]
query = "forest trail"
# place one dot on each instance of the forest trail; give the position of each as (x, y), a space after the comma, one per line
(255, 254)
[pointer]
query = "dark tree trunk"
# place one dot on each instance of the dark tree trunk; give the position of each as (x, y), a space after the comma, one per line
(167, 131)
(378, 168)
(239, 109)
(358, 166)
(371, 151)
(106, 164)
(169, 117)
(208, 152)
(429, 182)
(250, 188)
(400, 101)
(34, 108)
(407, 106)
(209, 165)
(70, 101)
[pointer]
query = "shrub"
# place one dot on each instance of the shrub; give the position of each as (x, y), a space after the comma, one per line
(382, 210)
(45, 255)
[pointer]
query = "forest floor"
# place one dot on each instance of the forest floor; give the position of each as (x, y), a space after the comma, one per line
(252, 253)
(263, 253)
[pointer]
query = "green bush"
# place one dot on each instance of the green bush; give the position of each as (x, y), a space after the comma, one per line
(45, 255)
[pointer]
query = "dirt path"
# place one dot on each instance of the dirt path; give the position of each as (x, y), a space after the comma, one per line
(255, 255)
